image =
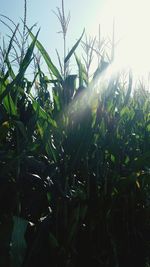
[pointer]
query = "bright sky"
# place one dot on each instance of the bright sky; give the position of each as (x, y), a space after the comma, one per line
(132, 23)
(41, 12)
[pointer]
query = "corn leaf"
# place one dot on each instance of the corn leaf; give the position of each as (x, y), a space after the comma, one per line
(47, 59)
(18, 244)
(74, 48)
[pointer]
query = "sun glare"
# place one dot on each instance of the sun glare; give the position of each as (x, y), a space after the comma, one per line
(132, 33)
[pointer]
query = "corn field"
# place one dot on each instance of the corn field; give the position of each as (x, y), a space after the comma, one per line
(74, 159)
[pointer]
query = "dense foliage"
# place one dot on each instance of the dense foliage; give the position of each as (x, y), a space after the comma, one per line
(74, 167)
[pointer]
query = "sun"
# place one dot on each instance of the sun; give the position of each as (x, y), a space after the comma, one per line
(132, 32)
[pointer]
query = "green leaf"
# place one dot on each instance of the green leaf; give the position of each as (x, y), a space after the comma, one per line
(49, 148)
(82, 72)
(47, 59)
(74, 48)
(9, 105)
(125, 112)
(10, 43)
(28, 56)
(112, 158)
(42, 113)
(11, 72)
(18, 244)
(25, 63)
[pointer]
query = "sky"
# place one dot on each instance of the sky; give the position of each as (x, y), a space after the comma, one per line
(131, 17)
(82, 16)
